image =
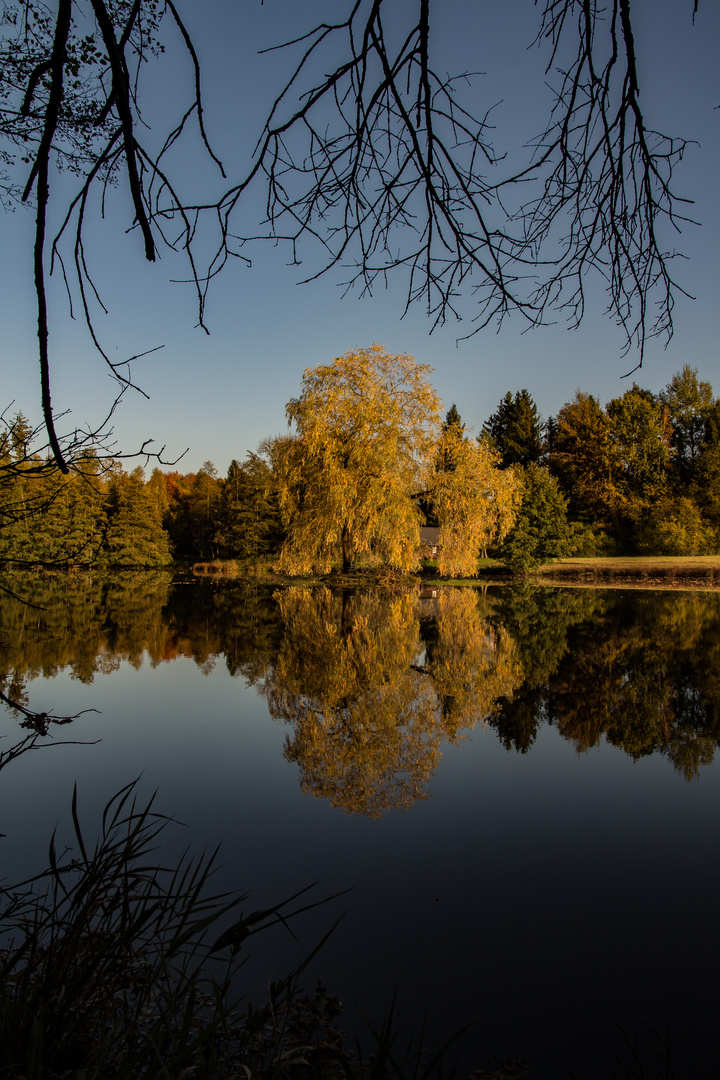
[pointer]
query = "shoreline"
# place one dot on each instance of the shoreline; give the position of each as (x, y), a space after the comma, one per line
(667, 572)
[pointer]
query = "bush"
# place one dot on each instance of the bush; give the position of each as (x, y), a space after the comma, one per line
(676, 527)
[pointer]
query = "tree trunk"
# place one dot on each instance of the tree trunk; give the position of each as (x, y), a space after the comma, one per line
(347, 551)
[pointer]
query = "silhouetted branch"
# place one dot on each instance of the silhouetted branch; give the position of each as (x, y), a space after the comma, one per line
(369, 153)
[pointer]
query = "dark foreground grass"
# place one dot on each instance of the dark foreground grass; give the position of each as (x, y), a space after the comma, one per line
(116, 966)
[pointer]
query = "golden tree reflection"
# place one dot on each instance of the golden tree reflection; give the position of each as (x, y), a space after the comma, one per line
(373, 682)
(370, 702)
(472, 664)
(366, 732)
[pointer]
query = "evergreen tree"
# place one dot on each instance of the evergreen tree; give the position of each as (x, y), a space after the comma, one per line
(453, 420)
(135, 536)
(248, 517)
(541, 530)
(199, 512)
(515, 430)
(71, 529)
(176, 518)
(47, 517)
(453, 430)
(23, 491)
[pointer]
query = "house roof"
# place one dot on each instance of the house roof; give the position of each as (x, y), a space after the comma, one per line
(430, 535)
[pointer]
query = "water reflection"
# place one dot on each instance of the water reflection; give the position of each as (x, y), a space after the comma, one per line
(638, 670)
(371, 699)
(373, 683)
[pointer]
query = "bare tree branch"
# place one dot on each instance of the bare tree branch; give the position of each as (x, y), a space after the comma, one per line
(372, 156)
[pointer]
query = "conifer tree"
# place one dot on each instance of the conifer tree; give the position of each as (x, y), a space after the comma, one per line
(515, 429)
(541, 530)
(248, 517)
(135, 536)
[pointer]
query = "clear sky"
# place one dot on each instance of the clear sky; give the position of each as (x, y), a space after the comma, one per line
(219, 395)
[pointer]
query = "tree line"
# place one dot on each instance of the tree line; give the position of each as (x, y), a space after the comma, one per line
(640, 475)
(369, 461)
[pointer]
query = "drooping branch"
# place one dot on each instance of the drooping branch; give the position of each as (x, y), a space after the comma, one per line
(380, 164)
(374, 157)
(40, 172)
(121, 101)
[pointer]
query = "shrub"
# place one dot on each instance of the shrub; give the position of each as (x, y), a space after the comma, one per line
(676, 527)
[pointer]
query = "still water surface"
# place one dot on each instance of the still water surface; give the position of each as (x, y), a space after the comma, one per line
(519, 786)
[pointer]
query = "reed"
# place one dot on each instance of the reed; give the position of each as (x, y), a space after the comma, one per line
(114, 965)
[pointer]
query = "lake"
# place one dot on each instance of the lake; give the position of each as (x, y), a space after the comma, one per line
(521, 787)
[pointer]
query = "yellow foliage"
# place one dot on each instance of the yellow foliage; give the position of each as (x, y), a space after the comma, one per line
(366, 726)
(366, 426)
(473, 664)
(475, 501)
(370, 704)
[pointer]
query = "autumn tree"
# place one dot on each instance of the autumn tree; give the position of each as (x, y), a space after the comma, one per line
(585, 461)
(675, 526)
(474, 501)
(641, 437)
(366, 427)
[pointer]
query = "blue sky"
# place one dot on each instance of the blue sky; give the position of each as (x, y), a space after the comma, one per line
(221, 394)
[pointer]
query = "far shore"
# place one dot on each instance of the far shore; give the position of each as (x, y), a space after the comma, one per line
(642, 571)
(675, 572)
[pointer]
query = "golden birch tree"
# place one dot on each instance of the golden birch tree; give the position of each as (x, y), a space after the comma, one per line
(366, 426)
(475, 501)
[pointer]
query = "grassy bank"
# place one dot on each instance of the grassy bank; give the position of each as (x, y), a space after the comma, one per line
(688, 570)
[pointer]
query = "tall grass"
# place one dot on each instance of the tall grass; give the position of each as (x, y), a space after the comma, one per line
(113, 965)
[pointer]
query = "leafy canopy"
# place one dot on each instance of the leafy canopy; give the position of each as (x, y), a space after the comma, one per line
(473, 499)
(366, 428)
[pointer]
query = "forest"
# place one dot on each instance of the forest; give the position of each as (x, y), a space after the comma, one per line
(637, 475)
